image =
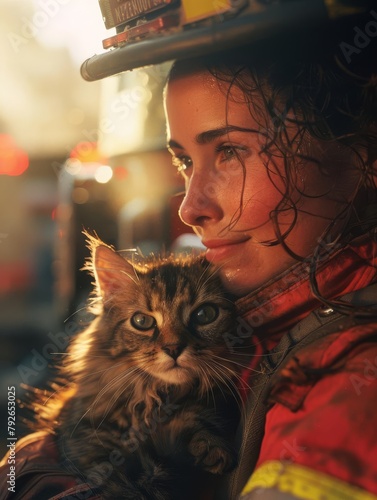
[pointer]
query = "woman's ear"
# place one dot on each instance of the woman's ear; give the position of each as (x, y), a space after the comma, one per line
(111, 271)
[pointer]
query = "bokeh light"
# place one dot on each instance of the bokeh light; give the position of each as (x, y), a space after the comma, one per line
(103, 174)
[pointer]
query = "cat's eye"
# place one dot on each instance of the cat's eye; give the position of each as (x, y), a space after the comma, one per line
(205, 314)
(143, 322)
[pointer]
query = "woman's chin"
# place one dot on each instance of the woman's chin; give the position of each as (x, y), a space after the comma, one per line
(236, 282)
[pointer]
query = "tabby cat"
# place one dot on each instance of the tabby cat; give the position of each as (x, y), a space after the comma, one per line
(151, 406)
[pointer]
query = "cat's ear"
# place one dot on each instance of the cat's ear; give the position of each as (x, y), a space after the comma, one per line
(111, 270)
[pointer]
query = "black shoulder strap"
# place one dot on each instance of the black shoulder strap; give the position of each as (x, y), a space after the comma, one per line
(316, 325)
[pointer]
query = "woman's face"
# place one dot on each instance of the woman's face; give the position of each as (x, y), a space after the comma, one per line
(209, 138)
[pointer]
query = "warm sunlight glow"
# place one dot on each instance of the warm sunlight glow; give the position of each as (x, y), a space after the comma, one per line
(75, 24)
(103, 174)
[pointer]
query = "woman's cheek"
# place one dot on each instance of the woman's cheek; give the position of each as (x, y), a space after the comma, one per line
(259, 203)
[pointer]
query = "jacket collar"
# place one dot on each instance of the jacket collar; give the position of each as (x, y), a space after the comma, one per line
(278, 305)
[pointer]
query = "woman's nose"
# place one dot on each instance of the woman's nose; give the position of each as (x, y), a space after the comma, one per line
(200, 204)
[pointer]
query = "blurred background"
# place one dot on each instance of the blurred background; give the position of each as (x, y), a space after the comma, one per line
(73, 155)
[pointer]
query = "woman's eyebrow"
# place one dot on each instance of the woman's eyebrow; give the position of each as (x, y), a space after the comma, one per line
(210, 135)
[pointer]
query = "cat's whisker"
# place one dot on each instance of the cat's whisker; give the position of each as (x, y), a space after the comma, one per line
(115, 381)
(136, 275)
(111, 367)
(91, 407)
(224, 381)
(235, 375)
(79, 421)
(221, 367)
(215, 270)
(72, 465)
(221, 298)
(106, 356)
(200, 283)
(222, 375)
(209, 368)
(210, 388)
(208, 384)
(240, 348)
(63, 387)
(74, 313)
(229, 383)
(118, 393)
(230, 371)
(135, 281)
(94, 305)
(106, 302)
(253, 355)
(234, 362)
(208, 274)
(56, 392)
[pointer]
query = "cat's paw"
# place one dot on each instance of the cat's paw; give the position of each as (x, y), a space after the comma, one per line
(211, 453)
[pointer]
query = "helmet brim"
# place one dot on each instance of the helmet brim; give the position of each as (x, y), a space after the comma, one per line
(278, 21)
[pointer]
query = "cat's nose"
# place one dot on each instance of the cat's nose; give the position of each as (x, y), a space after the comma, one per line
(173, 350)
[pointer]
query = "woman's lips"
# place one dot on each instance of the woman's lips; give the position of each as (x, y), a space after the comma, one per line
(220, 250)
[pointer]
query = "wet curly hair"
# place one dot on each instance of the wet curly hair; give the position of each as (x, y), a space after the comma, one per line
(329, 92)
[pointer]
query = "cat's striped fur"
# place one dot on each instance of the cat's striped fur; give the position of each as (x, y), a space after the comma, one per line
(151, 404)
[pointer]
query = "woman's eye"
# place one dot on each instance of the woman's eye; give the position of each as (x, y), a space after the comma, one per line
(228, 152)
(182, 162)
(204, 315)
(142, 321)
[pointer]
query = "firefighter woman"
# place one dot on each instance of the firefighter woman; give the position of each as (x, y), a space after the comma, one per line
(279, 153)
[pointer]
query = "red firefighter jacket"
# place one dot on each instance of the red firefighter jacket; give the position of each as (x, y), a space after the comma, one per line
(320, 438)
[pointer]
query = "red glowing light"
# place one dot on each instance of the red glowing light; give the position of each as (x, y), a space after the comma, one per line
(13, 160)
(120, 173)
